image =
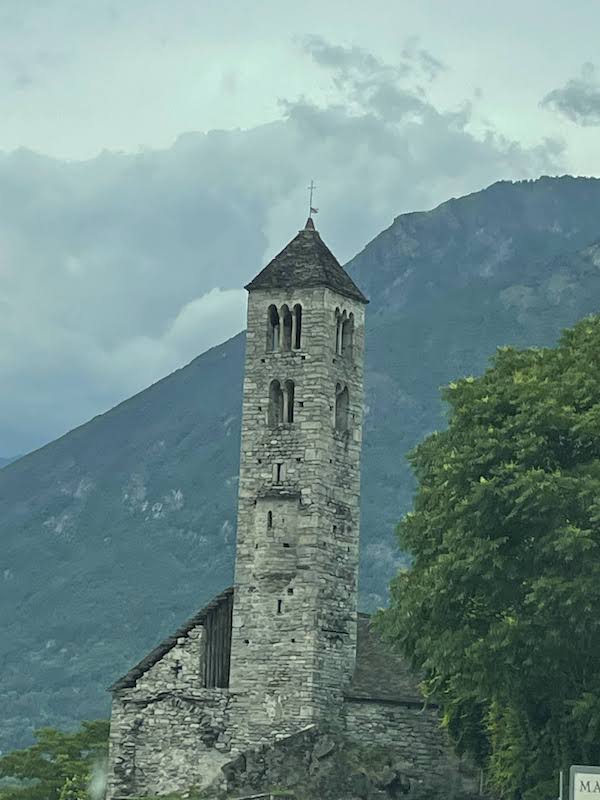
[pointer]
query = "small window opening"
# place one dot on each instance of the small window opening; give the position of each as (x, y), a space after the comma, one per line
(293, 641)
(176, 668)
(286, 544)
(278, 472)
(297, 329)
(279, 606)
(275, 404)
(286, 317)
(246, 641)
(269, 520)
(338, 325)
(273, 329)
(341, 407)
(290, 591)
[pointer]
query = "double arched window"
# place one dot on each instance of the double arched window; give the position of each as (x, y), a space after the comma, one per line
(281, 403)
(342, 407)
(344, 332)
(284, 328)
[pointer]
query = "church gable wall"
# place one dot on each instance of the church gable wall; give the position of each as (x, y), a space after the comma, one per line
(168, 732)
(167, 741)
(181, 667)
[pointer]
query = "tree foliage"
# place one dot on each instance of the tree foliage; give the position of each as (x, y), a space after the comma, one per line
(501, 607)
(58, 766)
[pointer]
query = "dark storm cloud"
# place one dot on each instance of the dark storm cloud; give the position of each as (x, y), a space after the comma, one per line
(579, 99)
(117, 270)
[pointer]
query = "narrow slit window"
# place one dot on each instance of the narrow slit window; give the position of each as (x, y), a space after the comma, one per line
(279, 606)
(269, 520)
(278, 473)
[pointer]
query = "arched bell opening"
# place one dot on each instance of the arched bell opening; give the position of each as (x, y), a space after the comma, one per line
(273, 329)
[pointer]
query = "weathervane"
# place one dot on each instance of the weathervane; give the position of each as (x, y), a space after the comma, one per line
(312, 210)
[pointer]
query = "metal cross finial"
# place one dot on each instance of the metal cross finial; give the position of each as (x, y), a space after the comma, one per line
(311, 210)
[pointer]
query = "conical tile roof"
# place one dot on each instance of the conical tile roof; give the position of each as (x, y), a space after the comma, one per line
(306, 261)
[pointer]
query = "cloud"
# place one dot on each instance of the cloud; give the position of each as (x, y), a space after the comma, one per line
(421, 58)
(117, 270)
(366, 82)
(357, 62)
(579, 99)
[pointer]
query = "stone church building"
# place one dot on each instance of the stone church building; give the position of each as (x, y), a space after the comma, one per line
(285, 647)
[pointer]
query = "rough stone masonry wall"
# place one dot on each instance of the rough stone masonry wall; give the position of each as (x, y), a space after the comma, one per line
(414, 734)
(294, 618)
(168, 732)
(316, 764)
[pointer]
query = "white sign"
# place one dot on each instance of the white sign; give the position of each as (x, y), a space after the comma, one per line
(584, 783)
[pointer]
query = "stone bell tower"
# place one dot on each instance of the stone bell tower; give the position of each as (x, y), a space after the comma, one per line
(293, 643)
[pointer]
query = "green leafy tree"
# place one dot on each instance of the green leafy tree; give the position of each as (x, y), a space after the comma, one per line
(501, 606)
(75, 788)
(57, 766)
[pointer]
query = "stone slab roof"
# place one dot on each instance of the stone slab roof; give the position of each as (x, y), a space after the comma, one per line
(306, 262)
(129, 680)
(381, 674)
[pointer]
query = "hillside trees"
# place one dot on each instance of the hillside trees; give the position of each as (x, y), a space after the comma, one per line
(59, 766)
(501, 607)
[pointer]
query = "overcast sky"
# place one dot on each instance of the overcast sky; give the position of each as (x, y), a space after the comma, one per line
(154, 155)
